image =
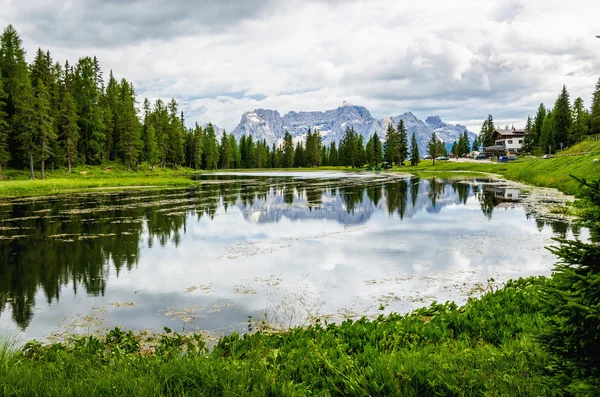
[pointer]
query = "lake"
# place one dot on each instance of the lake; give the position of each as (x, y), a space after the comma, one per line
(286, 248)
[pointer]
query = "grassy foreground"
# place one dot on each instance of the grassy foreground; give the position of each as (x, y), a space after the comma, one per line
(483, 348)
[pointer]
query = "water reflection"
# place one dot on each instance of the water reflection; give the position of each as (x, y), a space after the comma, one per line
(76, 242)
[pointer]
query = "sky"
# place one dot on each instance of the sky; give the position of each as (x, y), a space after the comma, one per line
(461, 60)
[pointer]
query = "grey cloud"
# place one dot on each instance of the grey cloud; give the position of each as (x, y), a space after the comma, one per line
(98, 23)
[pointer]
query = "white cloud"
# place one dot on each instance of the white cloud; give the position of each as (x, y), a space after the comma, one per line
(461, 61)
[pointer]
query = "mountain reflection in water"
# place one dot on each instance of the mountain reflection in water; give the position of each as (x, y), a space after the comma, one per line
(81, 242)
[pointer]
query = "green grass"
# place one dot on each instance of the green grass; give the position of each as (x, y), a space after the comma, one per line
(82, 179)
(552, 173)
(483, 348)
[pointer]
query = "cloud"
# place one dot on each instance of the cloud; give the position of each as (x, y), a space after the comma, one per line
(461, 61)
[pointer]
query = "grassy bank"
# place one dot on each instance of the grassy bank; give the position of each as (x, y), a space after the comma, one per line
(81, 179)
(483, 348)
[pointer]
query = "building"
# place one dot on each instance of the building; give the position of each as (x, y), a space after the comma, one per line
(511, 139)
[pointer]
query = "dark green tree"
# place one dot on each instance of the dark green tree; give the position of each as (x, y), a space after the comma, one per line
(433, 147)
(370, 153)
(402, 143)
(538, 123)
(562, 119)
(571, 301)
(595, 111)
(225, 152)
(377, 149)
(288, 150)
(579, 128)
(391, 147)
(529, 138)
(4, 130)
(415, 156)
(68, 128)
(486, 137)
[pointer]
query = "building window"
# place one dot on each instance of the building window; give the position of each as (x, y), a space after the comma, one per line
(510, 141)
(520, 141)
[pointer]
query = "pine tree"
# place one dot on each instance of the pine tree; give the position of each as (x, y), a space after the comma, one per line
(377, 149)
(25, 122)
(225, 155)
(571, 301)
(475, 147)
(4, 130)
(198, 144)
(288, 150)
(235, 153)
(486, 137)
(415, 156)
(538, 123)
(433, 147)
(370, 153)
(466, 146)
(210, 148)
(334, 158)
(128, 125)
(151, 146)
(13, 69)
(391, 146)
(595, 111)
(579, 128)
(90, 120)
(402, 143)
(299, 155)
(455, 149)
(562, 119)
(547, 134)
(69, 130)
(529, 138)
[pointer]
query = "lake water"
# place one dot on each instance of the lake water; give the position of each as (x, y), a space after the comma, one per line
(288, 248)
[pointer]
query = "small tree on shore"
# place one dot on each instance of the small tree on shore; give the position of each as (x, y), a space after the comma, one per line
(433, 147)
(415, 156)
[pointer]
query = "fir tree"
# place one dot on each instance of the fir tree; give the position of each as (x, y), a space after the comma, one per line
(225, 149)
(69, 130)
(370, 153)
(486, 137)
(288, 150)
(547, 134)
(377, 149)
(579, 128)
(571, 302)
(538, 123)
(128, 125)
(4, 130)
(415, 156)
(562, 119)
(475, 147)
(391, 146)
(433, 147)
(210, 148)
(151, 146)
(529, 138)
(595, 111)
(402, 143)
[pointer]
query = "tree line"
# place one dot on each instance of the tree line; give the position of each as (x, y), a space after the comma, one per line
(561, 126)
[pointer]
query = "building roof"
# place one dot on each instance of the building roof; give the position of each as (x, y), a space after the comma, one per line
(510, 132)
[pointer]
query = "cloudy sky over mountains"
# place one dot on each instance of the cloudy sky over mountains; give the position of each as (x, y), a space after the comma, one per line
(460, 60)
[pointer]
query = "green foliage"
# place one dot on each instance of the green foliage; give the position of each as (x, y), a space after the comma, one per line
(433, 147)
(486, 136)
(562, 119)
(415, 156)
(482, 348)
(595, 111)
(571, 301)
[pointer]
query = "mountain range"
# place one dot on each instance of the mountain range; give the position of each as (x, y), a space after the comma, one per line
(269, 125)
